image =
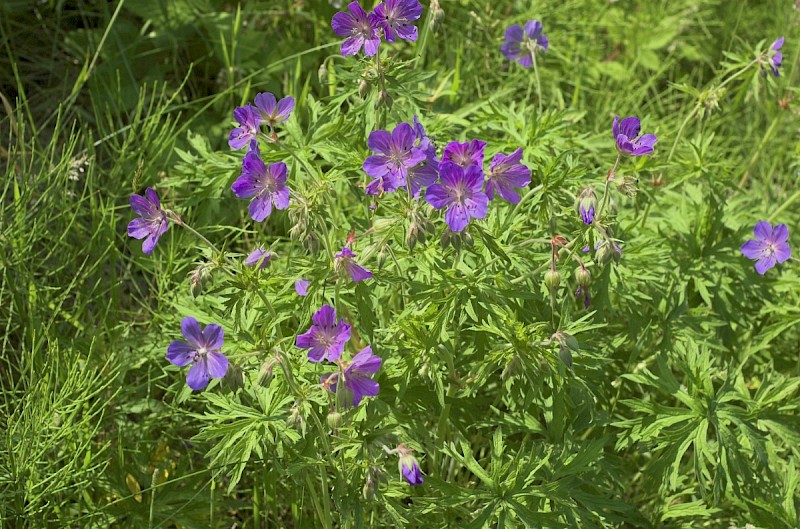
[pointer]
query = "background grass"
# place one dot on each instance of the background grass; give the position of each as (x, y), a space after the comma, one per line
(102, 99)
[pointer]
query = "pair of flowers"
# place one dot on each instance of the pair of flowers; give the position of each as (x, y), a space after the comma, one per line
(326, 339)
(406, 157)
(266, 185)
(363, 29)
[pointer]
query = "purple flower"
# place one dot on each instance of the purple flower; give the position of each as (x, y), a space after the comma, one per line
(460, 192)
(521, 44)
(769, 247)
(428, 172)
(249, 120)
(777, 57)
(345, 260)
(587, 201)
(326, 337)
(357, 377)
(396, 155)
(583, 292)
(272, 111)
(626, 133)
(301, 287)
(152, 222)
(360, 28)
(395, 17)
(409, 466)
(506, 173)
(465, 154)
(259, 255)
(201, 350)
(268, 186)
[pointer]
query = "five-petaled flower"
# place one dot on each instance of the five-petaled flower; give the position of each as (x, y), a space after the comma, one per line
(395, 17)
(776, 57)
(152, 222)
(266, 185)
(273, 111)
(360, 28)
(460, 192)
(769, 247)
(326, 337)
(249, 119)
(345, 260)
(506, 173)
(259, 255)
(465, 154)
(201, 350)
(396, 155)
(626, 134)
(357, 377)
(521, 44)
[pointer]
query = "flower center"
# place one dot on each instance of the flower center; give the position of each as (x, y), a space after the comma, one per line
(325, 338)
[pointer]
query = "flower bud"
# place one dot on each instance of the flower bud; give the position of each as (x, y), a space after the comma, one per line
(437, 13)
(552, 279)
(409, 466)
(334, 420)
(363, 88)
(603, 254)
(322, 73)
(265, 372)
(296, 419)
(385, 99)
(583, 277)
(586, 205)
(198, 279)
(512, 368)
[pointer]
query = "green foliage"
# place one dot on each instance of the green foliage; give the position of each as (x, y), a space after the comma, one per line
(671, 402)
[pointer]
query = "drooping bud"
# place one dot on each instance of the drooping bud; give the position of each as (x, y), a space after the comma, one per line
(363, 88)
(374, 476)
(198, 279)
(385, 99)
(512, 368)
(552, 279)
(567, 344)
(586, 204)
(409, 466)
(437, 13)
(322, 73)
(296, 419)
(334, 420)
(583, 277)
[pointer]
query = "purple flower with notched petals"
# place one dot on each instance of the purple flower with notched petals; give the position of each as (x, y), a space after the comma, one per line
(357, 377)
(266, 185)
(346, 260)
(326, 337)
(301, 287)
(152, 222)
(249, 119)
(769, 247)
(396, 155)
(259, 255)
(360, 28)
(465, 154)
(777, 57)
(273, 111)
(626, 134)
(506, 173)
(460, 192)
(201, 350)
(395, 17)
(521, 44)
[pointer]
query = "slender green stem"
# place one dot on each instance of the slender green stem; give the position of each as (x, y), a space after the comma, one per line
(196, 233)
(756, 155)
(538, 83)
(293, 155)
(611, 175)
